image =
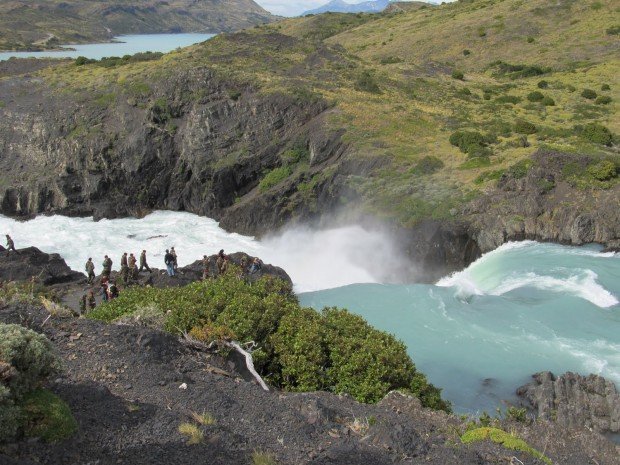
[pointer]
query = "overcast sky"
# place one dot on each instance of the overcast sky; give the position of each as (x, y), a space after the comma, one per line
(295, 7)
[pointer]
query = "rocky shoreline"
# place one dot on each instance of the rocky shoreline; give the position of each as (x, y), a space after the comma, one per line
(124, 385)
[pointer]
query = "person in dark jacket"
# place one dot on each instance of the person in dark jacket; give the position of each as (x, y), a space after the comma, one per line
(169, 261)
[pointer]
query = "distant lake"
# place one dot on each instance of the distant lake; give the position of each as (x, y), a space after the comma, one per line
(125, 45)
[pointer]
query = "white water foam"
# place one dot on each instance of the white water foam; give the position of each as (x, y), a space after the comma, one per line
(582, 284)
(315, 260)
(494, 274)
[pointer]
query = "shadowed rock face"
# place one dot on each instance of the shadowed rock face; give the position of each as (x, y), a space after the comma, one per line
(574, 401)
(27, 263)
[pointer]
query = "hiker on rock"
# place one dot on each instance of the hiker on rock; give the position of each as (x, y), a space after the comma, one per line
(169, 261)
(257, 265)
(221, 259)
(143, 264)
(132, 266)
(91, 300)
(205, 267)
(107, 266)
(90, 270)
(83, 304)
(112, 291)
(104, 288)
(244, 267)
(174, 256)
(10, 245)
(124, 268)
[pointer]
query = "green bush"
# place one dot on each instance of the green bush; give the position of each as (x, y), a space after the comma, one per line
(597, 133)
(31, 357)
(518, 71)
(603, 170)
(530, 40)
(299, 348)
(605, 87)
(489, 176)
(366, 83)
(603, 100)
(508, 99)
(543, 84)
(468, 141)
(548, 102)
(525, 127)
(571, 88)
(466, 52)
(274, 177)
(535, 96)
(427, 165)
(589, 94)
(26, 359)
(458, 75)
(613, 30)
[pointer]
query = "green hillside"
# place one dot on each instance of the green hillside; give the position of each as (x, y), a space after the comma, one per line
(437, 102)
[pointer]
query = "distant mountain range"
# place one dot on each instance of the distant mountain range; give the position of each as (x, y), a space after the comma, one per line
(340, 6)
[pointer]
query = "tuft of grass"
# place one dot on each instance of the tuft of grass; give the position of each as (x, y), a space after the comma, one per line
(274, 177)
(203, 418)
(503, 438)
(192, 432)
(263, 458)
(48, 417)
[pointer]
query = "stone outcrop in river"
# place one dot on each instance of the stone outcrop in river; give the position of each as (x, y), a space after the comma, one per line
(574, 401)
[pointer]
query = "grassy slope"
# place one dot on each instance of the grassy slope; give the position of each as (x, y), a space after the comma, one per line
(411, 56)
(28, 24)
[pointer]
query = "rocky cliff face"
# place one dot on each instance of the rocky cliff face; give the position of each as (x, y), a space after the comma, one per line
(574, 401)
(204, 144)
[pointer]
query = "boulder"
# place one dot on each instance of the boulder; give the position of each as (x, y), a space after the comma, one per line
(29, 263)
(574, 401)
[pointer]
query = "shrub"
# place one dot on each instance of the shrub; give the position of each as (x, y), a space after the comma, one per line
(543, 84)
(26, 359)
(571, 88)
(519, 170)
(299, 348)
(30, 357)
(508, 99)
(458, 75)
(489, 176)
(507, 440)
(535, 96)
(274, 177)
(467, 141)
(613, 30)
(548, 102)
(298, 154)
(466, 52)
(427, 165)
(604, 170)
(530, 40)
(605, 87)
(525, 127)
(518, 71)
(517, 414)
(589, 94)
(603, 100)
(366, 83)
(597, 133)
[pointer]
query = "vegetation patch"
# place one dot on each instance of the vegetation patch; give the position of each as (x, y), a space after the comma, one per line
(525, 127)
(299, 349)
(192, 432)
(588, 93)
(597, 133)
(366, 82)
(503, 438)
(427, 165)
(512, 71)
(274, 177)
(47, 416)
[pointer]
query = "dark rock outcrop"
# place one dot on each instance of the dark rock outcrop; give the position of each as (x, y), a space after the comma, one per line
(574, 401)
(29, 263)
(542, 205)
